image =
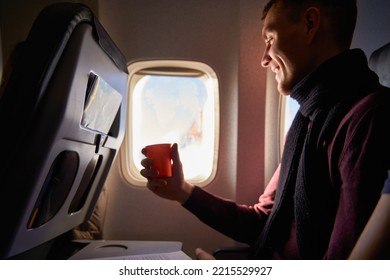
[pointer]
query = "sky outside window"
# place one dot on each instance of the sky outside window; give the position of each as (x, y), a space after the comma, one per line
(175, 109)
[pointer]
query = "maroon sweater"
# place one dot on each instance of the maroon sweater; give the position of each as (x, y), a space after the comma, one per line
(358, 157)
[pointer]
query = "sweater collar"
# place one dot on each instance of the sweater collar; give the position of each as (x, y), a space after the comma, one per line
(336, 78)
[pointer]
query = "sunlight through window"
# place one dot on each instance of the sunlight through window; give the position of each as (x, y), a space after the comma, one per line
(173, 104)
(289, 108)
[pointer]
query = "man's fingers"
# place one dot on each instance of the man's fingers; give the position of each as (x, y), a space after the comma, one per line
(203, 255)
(146, 162)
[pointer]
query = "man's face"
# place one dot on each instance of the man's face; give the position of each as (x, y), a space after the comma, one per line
(285, 51)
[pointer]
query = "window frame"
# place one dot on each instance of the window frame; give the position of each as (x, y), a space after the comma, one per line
(174, 68)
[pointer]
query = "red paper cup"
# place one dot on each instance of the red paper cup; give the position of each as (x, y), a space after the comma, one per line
(161, 156)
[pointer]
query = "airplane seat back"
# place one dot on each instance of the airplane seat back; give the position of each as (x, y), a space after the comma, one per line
(62, 115)
(373, 243)
(380, 63)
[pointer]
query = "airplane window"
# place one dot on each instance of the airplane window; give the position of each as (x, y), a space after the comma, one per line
(172, 102)
(289, 108)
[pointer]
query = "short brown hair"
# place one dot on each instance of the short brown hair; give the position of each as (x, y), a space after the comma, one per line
(342, 14)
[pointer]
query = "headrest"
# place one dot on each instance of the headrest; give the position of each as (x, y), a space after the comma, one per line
(380, 64)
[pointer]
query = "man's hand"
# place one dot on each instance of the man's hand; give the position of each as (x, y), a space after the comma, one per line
(174, 187)
(203, 255)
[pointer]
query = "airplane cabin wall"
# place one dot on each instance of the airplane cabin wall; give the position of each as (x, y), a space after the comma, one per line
(226, 36)
(372, 25)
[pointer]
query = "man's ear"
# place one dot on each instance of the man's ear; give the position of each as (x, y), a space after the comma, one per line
(312, 17)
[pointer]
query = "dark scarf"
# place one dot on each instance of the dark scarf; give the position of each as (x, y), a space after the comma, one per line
(304, 192)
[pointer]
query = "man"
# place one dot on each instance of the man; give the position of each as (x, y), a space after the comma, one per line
(336, 154)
